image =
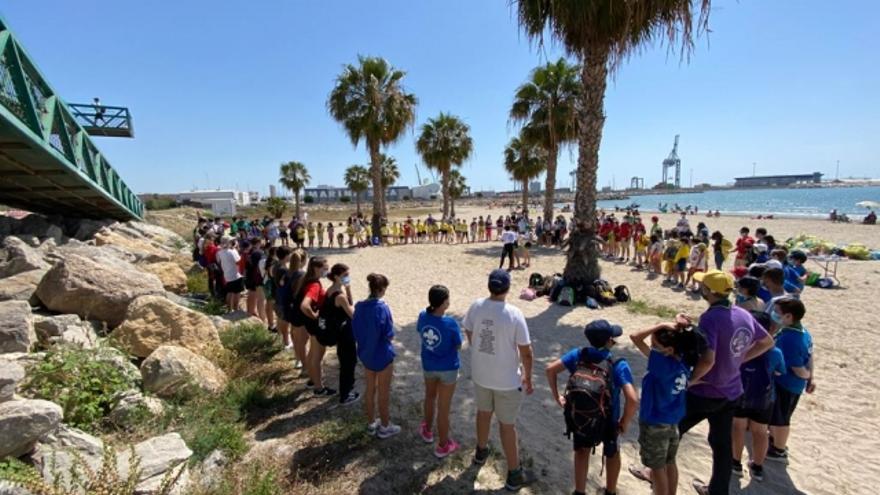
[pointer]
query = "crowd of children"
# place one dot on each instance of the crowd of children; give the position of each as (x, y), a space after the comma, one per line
(742, 365)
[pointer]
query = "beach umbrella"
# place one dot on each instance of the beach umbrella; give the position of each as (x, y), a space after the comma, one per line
(871, 205)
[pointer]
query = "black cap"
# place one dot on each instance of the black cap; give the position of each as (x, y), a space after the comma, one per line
(499, 281)
(599, 331)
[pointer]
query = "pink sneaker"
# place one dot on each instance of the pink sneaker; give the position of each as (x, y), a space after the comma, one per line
(426, 433)
(444, 450)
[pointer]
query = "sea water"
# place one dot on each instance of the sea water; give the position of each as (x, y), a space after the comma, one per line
(812, 202)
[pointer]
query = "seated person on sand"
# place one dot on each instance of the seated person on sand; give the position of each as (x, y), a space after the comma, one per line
(870, 218)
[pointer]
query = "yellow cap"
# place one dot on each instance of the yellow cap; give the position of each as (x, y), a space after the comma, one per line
(716, 281)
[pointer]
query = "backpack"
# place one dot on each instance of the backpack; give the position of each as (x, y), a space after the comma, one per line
(566, 297)
(670, 252)
(528, 294)
(601, 291)
(329, 325)
(588, 400)
(758, 388)
(621, 293)
(536, 280)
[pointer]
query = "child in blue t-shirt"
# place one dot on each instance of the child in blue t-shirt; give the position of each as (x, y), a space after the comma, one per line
(601, 335)
(796, 345)
(662, 405)
(441, 341)
(795, 272)
(756, 406)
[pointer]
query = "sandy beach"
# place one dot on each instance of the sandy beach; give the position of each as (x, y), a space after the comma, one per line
(834, 434)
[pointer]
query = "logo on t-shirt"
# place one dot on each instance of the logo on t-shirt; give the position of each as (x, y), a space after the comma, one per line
(740, 341)
(681, 382)
(487, 338)
(431, 337)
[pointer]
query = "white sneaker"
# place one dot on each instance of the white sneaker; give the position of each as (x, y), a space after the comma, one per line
(372, 427)
(387, 431)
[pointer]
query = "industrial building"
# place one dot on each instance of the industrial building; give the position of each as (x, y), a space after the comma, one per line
(778, 180)
(328, 194)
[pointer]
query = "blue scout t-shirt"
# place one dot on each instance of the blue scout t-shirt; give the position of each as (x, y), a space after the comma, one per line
(373, 330)
(796, 345)
(793, 276)
(621, 374)
(441, 339)
(663, 390)
(758, 376)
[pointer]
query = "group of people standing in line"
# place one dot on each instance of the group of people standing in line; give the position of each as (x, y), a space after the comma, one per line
(742, 365)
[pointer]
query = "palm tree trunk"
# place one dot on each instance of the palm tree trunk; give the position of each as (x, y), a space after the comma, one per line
(445, 192)
(451, 207)
(376, 172)
(550, 183)
(525, 192)
(583, 262)
(357, 198)
(296, 202)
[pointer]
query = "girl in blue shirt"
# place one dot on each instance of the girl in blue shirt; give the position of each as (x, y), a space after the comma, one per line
(373, 330)
(441, 340)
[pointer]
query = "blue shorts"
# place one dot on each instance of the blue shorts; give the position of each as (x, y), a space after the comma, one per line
(447, 377)
(681, 265)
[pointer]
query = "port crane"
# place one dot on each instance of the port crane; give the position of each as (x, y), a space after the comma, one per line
(673, 161)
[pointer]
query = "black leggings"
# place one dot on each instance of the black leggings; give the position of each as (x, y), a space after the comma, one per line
(507, 252)
(719, 412)
(346, 351)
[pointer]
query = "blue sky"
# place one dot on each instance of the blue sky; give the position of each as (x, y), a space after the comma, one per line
(223, 92)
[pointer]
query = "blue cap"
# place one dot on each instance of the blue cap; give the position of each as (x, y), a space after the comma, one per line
(499, 281)
(599, 331)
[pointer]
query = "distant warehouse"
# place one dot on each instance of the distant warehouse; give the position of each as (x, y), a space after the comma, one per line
(778, 180)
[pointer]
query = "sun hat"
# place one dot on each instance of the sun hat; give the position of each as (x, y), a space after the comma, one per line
(716, 281)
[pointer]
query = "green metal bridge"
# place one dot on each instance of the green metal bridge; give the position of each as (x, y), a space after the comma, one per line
(48, 162)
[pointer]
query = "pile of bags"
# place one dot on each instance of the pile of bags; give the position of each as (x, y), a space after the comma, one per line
(599, 293)
(814, 245)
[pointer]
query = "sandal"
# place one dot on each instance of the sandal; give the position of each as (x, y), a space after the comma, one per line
(639, 473)
(700, 487)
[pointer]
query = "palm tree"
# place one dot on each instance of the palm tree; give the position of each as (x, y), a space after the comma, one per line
(524, 160)
(295, 177)
(547, 102)
(445, 142)
(357, 178)
(370, 102)
(602, 34)
(390, 175)
(457, 187)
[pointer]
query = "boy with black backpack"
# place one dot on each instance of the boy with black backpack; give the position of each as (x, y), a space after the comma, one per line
(592, 401)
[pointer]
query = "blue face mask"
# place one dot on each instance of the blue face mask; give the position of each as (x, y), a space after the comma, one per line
(346, 280)
(776, 317)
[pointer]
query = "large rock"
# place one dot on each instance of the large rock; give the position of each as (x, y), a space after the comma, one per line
(172, 371)
(152, 321)
(100, 291)
(172, 276)
(16, 327)
(38, 226)
(68, 329)
(143, 249)
(20, 258)
(23, 422)
(10, 374)
(21, 287)
(157, 455)
(228, 320)
(119, 360)
(131, 406)
(57, 453)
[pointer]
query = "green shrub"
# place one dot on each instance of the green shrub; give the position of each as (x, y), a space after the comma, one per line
(82, 385)
(211, 306)
(197, 282)
(308, 199)
(345, 199)
(251, 341)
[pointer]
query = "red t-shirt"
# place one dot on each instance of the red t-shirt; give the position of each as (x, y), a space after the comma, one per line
(639, 228)
(624, 230)
(315, 293)
(743, 244)
(211, 253)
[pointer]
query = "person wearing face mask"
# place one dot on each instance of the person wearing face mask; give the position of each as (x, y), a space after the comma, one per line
(310, 297)
(732, 338)
(335, 329)
(747, 294)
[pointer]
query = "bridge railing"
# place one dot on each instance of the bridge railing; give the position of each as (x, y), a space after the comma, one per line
(48, 121)
(103, 120)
